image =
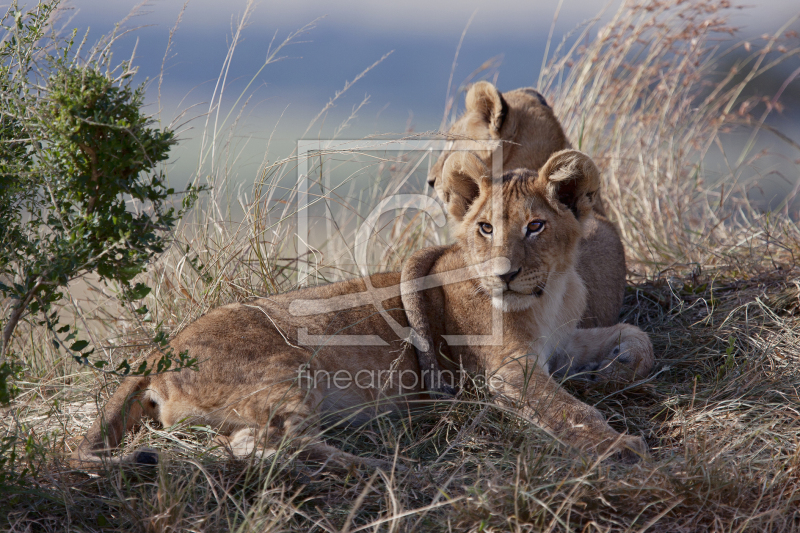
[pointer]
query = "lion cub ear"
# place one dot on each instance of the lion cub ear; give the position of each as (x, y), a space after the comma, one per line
(572, 180)
(488, 106)
(464, 177)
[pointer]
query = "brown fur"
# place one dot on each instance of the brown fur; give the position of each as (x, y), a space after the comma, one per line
(249, 354)
(530, 133)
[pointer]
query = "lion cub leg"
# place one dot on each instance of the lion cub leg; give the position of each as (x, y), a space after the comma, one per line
(620, 353)
(416, 267)
(293, 421)
(244, 442)
(527, 387)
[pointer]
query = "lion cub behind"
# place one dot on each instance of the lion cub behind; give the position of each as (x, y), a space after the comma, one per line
(285, 365)
(529, 133)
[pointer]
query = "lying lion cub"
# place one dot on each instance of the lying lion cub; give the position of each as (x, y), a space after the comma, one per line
(284, 365)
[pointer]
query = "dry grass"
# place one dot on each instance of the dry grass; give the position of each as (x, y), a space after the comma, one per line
(713, 281)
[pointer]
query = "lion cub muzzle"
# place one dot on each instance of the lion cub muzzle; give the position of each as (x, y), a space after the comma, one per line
(508, 277)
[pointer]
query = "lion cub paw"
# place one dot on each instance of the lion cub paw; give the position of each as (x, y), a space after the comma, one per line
(628, 358)
(240, 444)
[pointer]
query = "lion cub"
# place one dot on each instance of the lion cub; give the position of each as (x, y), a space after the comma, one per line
(285, 365)
(528, 134)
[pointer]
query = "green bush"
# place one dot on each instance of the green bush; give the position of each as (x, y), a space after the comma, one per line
(76, 151)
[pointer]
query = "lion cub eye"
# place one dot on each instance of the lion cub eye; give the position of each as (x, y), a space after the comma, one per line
(535, 227)
(486, 228)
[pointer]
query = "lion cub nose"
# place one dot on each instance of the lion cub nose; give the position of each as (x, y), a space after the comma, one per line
(508, 276)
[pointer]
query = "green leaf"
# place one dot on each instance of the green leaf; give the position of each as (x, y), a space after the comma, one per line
(8, 372)
(137, 292)
(124, 368)
(77, 346)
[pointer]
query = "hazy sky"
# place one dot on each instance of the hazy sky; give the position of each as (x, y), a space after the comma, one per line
(409, 87)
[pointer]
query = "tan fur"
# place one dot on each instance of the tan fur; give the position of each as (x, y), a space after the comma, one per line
(250, 354)
(530, 133)
(419, 265)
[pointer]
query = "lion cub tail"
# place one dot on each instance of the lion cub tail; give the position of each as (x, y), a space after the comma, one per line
(123, 411)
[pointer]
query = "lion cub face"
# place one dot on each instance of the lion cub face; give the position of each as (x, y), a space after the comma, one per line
(534, 220)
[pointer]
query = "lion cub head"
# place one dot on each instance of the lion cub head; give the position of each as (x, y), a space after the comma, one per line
(521, 119)
(534, 220)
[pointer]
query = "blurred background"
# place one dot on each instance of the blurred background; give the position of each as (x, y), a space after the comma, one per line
(407, 91)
